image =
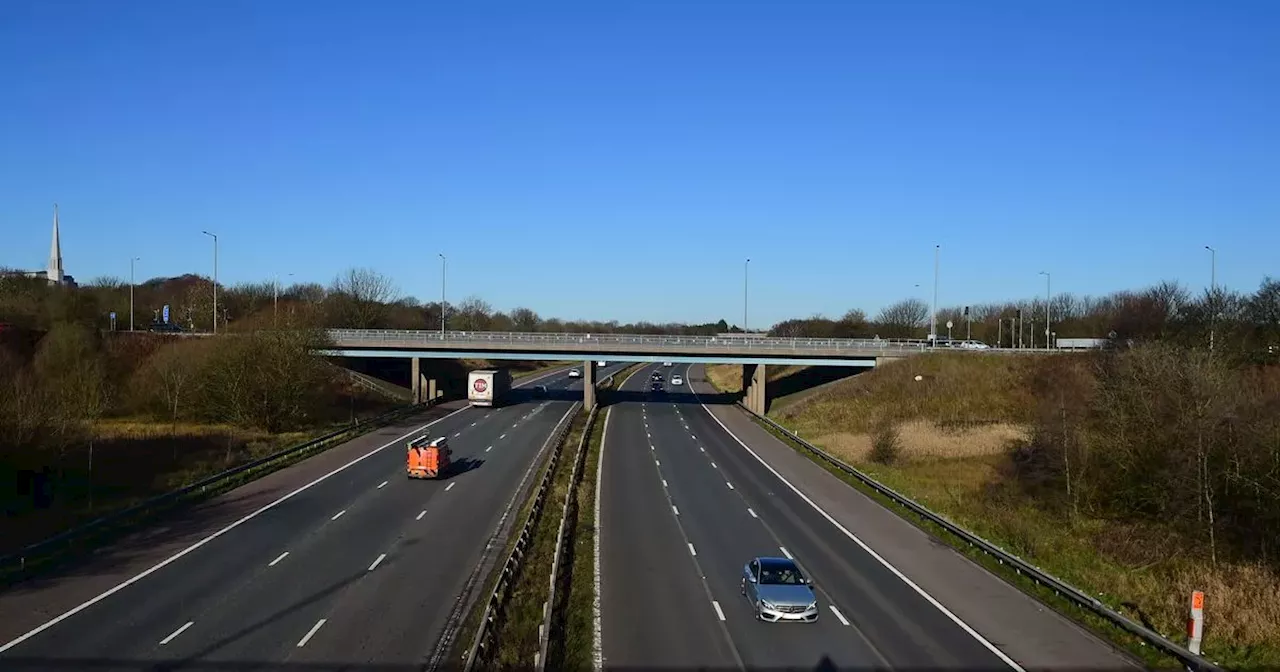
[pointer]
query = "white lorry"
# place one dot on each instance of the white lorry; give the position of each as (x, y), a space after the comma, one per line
(488, 387)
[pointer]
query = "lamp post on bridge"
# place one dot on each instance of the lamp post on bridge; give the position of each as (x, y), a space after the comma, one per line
(745, 274)
(933, 319)
(1213, 293)
(215, 279)
(443, 264)
(131, 284)
(1048, 298)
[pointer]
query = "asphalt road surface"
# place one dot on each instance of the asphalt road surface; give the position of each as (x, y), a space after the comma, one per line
(684, 506)
(362, 570)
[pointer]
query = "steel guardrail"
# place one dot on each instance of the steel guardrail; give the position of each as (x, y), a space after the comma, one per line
(548, 607)
(493, 609)
(69, 537)
(1020, 566)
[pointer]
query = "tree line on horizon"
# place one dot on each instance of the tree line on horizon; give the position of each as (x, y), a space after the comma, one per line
(362, 298)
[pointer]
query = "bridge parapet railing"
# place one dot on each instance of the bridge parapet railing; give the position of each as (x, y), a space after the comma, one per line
(375, 336)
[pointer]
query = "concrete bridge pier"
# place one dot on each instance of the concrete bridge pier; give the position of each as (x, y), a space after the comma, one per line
(589, 385)
(417, 381)
(753, 388)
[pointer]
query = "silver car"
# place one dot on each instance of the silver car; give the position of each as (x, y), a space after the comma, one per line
(778, 591)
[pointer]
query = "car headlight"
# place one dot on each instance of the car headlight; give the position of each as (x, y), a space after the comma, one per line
(769, 605)
(813, 604)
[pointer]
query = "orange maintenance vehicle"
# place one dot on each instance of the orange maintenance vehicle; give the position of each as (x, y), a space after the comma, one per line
(428, 458)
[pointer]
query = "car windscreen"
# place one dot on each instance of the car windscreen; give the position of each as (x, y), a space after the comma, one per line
(781, 576)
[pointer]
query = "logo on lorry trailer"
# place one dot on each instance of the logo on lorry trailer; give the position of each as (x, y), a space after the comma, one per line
(480, 385)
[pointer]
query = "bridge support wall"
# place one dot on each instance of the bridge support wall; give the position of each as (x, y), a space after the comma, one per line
(754, 397)
(589, 384)
(423, 389)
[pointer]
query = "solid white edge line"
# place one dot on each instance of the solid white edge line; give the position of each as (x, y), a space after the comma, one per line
(338, 514)
(449, 487)
(420, 515)
(843, 620)
(787, 553)
(752, 512)
(177, 632)
(377, 562)
(692, 551)
(382, 484)
(310, 633)
(719, 612)
(253, 514)
(885, 563)
(278, 559)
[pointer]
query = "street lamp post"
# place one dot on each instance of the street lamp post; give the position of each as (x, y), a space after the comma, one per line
(443, 264)
(131, 284)
(1213, 293)
(215, 279)
(275, 300)
(745, 268)
(1048, 297)
(933, 319)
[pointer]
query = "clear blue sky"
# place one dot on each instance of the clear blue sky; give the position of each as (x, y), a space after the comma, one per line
(620, 160)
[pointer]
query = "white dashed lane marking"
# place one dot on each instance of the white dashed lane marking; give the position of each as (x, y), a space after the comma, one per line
(177, 632)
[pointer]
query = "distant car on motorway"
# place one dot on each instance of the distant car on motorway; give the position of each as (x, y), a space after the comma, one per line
(677, 380)
(656, 387)
(779, 591)
(574, 373)
(165, 328)
(540, 391)
(668, 364)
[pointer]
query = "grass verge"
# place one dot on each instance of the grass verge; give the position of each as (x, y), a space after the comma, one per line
(77, 545)
(572, 619)
(1050, 538)
(515, 632)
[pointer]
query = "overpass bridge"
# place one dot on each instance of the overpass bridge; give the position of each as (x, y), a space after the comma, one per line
(753, 353)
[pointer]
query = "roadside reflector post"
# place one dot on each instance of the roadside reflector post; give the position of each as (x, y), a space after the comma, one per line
(1195, 624)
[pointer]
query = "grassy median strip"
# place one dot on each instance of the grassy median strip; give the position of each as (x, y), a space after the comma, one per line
(515, 635)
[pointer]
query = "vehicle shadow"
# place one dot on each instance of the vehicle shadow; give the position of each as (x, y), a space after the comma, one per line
(459, 467)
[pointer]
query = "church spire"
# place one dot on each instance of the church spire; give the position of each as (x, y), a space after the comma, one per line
(55, 251)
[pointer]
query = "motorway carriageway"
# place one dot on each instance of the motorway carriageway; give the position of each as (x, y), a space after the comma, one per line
(684, 506)
(364, 568)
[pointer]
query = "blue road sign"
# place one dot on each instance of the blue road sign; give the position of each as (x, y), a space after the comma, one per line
(166, 313)
(113, 315)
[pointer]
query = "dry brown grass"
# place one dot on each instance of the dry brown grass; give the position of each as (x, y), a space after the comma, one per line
(1143, 565)
(728, 377)
(954, 390)
(956, 426)
(924, 439)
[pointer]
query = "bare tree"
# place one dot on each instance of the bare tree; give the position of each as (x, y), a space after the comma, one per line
(472, 314)
(360, 297)
(903, 318)
(525, 319)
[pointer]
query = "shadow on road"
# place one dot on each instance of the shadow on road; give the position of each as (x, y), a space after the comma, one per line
(460, 466)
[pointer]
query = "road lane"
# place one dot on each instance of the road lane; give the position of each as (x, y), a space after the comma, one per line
(713, 510)
(727, 512)
(656, 610)
(246, 605)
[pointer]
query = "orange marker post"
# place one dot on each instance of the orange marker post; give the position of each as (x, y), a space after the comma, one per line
(1195, 624)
